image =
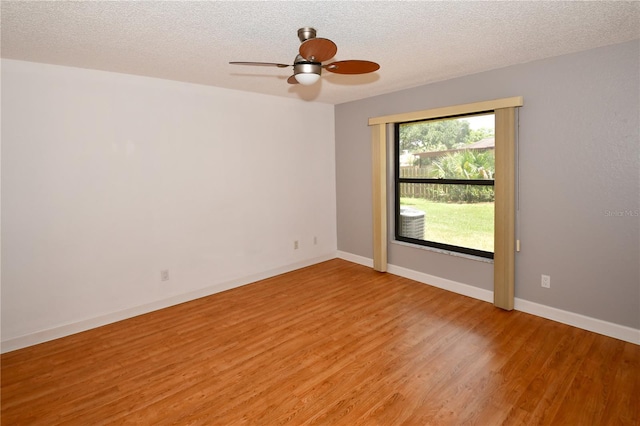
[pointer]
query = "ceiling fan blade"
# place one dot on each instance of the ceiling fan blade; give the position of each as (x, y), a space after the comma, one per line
(318, 49)
(352, 67)
(292, 80)
(261, 64)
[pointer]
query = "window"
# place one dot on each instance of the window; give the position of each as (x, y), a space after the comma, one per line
(444, 187)
(504, 186)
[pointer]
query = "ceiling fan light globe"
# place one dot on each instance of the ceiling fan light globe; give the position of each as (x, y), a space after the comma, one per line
(307, 73)
(307, 79)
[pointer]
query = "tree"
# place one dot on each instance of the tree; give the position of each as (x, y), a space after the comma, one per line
(468, 164)
(429, 136)
(440, 135)
(478, 134)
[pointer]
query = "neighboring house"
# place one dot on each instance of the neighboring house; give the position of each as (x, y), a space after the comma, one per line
(485, 144)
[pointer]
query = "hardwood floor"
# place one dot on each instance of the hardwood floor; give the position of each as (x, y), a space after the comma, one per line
(334, 343)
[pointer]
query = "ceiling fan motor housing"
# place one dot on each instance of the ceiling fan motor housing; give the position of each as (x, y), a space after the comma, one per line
(302, 66)
(307, 68)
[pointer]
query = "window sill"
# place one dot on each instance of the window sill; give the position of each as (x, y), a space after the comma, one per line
(436, 250)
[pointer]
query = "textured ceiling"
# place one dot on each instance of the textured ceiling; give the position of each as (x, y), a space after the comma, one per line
(414, 42)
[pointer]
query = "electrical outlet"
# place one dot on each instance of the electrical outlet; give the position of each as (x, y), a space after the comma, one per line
(315, 240)
(546, 281)
(164, 275)
(295, 245)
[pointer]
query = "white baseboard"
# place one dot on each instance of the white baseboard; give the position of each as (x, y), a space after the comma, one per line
(354, 258)
(87, 324)
(605, 328)
(595, 325)
(432, 280)
(445, 284)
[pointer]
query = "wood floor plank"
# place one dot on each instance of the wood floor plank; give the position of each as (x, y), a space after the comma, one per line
(334, 343)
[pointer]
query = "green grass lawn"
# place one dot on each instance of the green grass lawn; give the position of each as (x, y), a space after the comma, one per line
(465, 225)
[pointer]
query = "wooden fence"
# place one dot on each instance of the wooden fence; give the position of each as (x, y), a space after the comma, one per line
(442, 192)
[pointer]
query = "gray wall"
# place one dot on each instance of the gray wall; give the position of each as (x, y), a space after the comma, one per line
(579, 179)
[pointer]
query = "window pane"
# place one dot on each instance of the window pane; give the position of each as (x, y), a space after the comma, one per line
(446, 208)
(468, 225)
(457, 148)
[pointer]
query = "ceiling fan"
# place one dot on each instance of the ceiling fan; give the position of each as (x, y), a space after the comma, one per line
(307, 66)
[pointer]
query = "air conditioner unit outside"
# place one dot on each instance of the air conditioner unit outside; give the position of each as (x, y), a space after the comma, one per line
(411, 223)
